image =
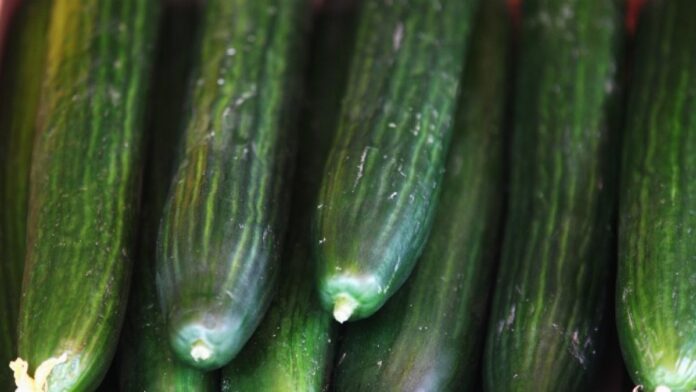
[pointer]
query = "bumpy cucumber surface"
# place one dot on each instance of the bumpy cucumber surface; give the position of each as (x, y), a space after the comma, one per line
(427, 338)
(383, 175)
(146, 361)
(83, 189)
(225, 215)
(292, 348)
(656, 290)
(548, 314)
(20, 84)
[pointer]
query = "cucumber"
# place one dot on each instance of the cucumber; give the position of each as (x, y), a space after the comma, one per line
(292, 350)
(383, 174)
(19, 100)
(656, 290)
(427, 338)
(146, 362)
(225, 215)
(83, 190)
(549, 310)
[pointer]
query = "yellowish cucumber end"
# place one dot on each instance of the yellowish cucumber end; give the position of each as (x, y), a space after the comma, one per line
(39, 383)
(344, 306)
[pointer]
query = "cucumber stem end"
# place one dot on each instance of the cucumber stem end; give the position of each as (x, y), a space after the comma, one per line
(200, 351)
(344, 306)
(39, 383)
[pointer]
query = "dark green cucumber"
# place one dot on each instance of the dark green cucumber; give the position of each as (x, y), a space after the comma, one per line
(383, 174)
(551, 298)
(656, 287)
(19, 101)
(225, 215)
(146, 362)
(427, 338)
(83, 188)
(292, 350)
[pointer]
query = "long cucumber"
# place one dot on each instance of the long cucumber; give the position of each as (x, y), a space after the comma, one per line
(551, 298)
(427, 338)
(382, 179)
(225, 215)
(292, 350)
(83, 191)
(146, 362)
(20, 84)
(656, 287)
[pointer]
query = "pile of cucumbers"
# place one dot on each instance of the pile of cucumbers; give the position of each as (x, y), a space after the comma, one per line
(348, 195)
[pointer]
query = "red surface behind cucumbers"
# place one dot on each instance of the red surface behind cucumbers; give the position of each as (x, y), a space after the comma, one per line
(632, 12)
(6, 9)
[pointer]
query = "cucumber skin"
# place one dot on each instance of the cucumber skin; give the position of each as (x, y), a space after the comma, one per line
(427, 337)
(292, 350)
(549, 309)
(225, 216)
(19, 101)
(385, 167)
(656, 292)
(146, 362)
(83, 187)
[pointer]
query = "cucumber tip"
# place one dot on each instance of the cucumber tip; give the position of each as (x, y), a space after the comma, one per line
(39, 382)
(344, 306)
(200, 351)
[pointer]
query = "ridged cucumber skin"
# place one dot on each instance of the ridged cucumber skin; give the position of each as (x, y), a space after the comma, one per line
(656, 290)
(551, 298)
(292, 350)
(427, 337)
(225, 216)
(19, 101)
(383, 175)
(146, 362)
(83, 187)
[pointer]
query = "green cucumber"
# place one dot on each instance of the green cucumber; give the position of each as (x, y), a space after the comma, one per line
(225, 215)
(656, 287)
(383, 174)
(549, 310)
(19, 101)
(292, 350)
(427, 338)
(146, 362)
(83, 189)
